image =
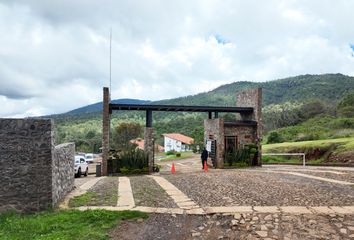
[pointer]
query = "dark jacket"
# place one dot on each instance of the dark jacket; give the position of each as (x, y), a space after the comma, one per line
(204, 155)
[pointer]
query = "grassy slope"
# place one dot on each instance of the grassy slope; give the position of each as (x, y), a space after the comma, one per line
(343, 144)
(335, 147)
(72, 224)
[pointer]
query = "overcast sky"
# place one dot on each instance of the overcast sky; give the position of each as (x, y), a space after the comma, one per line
(54, 55)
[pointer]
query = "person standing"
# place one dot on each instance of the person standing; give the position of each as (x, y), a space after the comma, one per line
(204, 156)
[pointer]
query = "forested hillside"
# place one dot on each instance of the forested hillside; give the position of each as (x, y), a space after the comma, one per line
(286, 102)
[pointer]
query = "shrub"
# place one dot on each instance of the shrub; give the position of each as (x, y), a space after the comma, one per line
(124, 170)
(178, 154)
(274, 137)
(127, 161)
(171, 152)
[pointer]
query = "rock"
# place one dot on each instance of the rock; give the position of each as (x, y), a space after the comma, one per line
(237, 216)
(262, 234)
(234, 222)
(220, 237)
(255, 219)
(196, 234)
(140, 220)
(242, 221)
(173, 215)
(264, 228)
(339, 225)
(343, 230)
(217, 223)
(201, 228)
(351, 228)
(313, 221)
(268, 217)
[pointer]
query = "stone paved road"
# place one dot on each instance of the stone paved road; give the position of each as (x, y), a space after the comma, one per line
(256, 188)
(238, 226)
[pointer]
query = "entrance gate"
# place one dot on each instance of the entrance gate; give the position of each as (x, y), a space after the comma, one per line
(109, 107)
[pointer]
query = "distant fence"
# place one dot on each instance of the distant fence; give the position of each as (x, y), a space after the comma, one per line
(288, 154)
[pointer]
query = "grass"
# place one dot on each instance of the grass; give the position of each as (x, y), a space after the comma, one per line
(63, 225)
(82, 200)
(340, 144)
(102, 195)
(278, 159)
(184, 155)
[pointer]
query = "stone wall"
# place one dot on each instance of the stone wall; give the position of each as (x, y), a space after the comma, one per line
(245, 134)
(26, 164)
(215, 128)
(62, 171)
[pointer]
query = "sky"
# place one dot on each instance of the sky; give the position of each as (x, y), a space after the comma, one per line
(54, 55)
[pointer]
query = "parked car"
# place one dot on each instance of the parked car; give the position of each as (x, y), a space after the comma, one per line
(81, 166)
(89, 157)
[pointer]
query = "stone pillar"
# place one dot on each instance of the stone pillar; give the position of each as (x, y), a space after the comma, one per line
(106, 124)
(149, 146)
(253, 98)
(215, 129)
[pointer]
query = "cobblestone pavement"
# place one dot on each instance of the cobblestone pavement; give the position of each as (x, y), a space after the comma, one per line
(255, 188)
(148, 193)
(238, 226)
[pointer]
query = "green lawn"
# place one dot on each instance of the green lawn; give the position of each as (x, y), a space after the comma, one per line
(63, 225)
(164, 157)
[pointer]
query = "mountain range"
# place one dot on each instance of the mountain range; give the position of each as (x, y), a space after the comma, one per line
(328, 88)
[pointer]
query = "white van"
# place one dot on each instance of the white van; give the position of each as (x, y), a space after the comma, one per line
(81, 166)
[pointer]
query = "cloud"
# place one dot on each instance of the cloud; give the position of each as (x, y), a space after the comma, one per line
(54, 55)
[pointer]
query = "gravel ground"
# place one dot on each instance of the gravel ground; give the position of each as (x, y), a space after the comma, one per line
(104, 192)
(148, 193)
(238, 226)
(238, 187)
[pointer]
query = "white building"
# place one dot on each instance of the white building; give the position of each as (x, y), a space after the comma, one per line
(177, 142)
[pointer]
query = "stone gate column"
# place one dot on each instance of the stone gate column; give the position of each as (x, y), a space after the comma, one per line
(106, 124)
(253, 98)
(149, 146)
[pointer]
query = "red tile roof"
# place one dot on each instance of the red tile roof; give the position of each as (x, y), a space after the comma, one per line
(140, 143)
(179, 137)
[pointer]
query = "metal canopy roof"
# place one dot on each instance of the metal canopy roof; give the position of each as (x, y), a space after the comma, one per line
(178, 108)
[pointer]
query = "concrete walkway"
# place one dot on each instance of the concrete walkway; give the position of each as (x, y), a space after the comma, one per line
(125, 193)
(324, 210)
(315, 177)
(178, 197)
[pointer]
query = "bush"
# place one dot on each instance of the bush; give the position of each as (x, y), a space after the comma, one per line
(171, 152)
(274, 137)
(241, 157)
(178, 154)
(129, 161)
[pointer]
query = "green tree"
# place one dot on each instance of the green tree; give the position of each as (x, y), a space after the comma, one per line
(125, 132)
(346, 106)
(274, 137)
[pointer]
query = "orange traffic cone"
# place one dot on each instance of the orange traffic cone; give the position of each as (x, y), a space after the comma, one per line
(205, 167)
(173, 170)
